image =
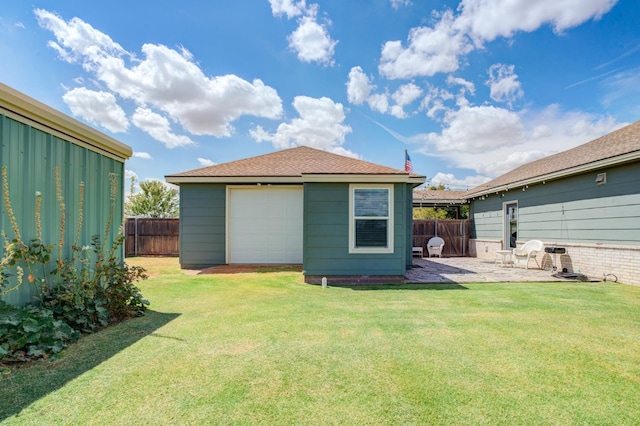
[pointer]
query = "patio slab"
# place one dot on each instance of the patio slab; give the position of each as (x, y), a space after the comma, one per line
(472, 270)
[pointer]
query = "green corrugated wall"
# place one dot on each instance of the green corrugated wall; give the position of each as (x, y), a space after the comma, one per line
(31, 157)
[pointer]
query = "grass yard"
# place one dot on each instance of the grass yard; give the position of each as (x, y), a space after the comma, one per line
(263, 348)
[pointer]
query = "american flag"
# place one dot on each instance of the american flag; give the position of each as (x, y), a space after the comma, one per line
(407, 163)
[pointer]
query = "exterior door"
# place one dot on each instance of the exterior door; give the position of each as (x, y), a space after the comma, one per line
(510, 214)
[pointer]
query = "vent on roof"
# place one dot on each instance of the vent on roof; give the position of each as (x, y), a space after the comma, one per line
(601, 178)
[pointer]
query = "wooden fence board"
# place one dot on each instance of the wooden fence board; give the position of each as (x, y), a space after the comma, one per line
(454, 232)
(160, 237)
(152, 237)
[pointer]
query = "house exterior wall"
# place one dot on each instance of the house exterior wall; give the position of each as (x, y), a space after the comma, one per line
(599, 225)
(202, 225)
(326, 234)
(31, 156)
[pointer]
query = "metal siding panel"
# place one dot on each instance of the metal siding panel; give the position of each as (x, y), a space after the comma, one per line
(31, 157)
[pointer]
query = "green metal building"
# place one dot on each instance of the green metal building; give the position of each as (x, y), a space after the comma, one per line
(35, 142)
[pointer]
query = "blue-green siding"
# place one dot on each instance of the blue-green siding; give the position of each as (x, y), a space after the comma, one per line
(31, 157)
(573, 209)
(326, 234)
(326, 230)
(202, 225)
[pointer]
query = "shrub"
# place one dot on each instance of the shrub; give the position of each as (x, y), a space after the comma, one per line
(80, 294)
(30, 332)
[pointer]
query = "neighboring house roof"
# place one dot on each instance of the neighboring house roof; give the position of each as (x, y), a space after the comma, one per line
(20, 107)
(438, 197)
(296, 165)
(618, 147)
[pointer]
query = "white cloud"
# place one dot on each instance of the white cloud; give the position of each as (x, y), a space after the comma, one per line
(128, 174)
(143, 155)
(491, 141)
(429, 51)
(478, 128)
(622, 85)
(396, 4)
(158, 127)
(359, 86)
(406, 94)
(504, 84)
(379, 102)
(99, 108)
(320, 125)
(289, 8)
(438, 48)
(458, 81)
(166, 79)
(449, 180)
(205, 162)
(488, 19)
(312, 42)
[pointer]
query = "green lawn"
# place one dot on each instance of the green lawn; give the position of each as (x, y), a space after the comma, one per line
(263, 348)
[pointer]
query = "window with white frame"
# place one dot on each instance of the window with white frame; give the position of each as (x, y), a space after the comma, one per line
(371, 218)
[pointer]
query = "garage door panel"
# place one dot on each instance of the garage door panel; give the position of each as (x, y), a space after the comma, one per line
(265, 225)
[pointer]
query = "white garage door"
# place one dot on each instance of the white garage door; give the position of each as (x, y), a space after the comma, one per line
(265, 225)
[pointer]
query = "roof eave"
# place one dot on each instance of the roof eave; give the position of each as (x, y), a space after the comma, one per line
(304, 178)
(23, 108)
(583, 168)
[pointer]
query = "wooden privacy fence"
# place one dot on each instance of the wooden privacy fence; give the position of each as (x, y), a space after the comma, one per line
(152, 237)
(454, 232)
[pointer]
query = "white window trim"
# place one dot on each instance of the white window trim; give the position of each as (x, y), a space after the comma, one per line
(352, 220)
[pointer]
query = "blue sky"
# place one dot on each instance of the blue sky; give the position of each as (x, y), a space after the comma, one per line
(471, 89)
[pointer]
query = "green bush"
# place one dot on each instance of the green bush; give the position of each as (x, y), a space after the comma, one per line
(81, 294)
(31, 332)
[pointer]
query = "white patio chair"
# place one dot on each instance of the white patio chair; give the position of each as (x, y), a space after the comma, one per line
(527, 252)
(435, 246)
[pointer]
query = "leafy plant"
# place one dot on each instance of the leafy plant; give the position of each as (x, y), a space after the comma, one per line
(80, 294)
(31, 332)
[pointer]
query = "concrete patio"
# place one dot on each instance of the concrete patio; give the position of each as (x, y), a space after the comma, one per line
(471, 269)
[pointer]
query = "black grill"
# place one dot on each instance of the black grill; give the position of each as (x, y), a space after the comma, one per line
(555, 250)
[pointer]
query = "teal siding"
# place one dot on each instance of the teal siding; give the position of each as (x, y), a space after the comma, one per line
(31, 157)
(326, 234)
(202, 225)
(573, 209)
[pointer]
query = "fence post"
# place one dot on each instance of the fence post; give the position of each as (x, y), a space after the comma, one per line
(135, 239)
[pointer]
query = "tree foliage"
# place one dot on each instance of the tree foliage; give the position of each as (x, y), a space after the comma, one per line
(155, 199)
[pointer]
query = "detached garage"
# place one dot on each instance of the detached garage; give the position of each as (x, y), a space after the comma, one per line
(337, 216)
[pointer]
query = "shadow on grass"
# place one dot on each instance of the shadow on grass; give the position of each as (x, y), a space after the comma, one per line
(27, 384)
(405, 286)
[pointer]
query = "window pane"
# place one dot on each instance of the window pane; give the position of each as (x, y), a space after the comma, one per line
(372, 202)
(371, 233)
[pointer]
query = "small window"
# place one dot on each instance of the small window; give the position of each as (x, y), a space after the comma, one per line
(371, 219)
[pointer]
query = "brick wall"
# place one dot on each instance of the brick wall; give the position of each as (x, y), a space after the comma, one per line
(621, 263)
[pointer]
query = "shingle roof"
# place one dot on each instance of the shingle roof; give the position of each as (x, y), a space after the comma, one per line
(439, 196)
(618, 146)
(293, 162)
